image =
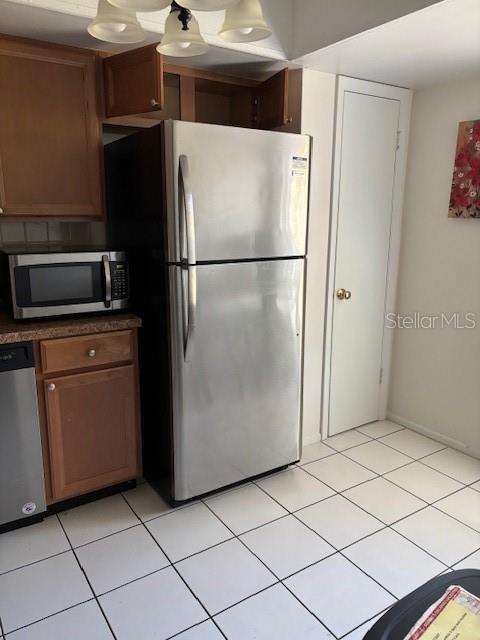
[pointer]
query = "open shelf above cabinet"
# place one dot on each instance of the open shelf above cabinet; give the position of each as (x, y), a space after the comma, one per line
(141, 89)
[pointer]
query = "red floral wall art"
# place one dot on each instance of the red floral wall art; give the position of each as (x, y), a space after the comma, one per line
(465, 196)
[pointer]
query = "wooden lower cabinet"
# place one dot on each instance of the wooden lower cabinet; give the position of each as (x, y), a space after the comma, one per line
(90, 420)
(90, 416)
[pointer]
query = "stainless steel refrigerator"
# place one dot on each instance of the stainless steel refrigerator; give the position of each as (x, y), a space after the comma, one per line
(236, 216)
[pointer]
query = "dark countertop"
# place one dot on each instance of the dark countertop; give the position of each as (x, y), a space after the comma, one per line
(24, 330)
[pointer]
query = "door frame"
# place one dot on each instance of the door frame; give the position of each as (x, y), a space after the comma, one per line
(404, 96)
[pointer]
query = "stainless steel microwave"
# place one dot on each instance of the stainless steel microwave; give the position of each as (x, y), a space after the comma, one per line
(38, 285)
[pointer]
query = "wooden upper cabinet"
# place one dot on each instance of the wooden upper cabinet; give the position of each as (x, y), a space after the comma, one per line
(271, 102)
(138, 83)
(50, 132)
(133, 82)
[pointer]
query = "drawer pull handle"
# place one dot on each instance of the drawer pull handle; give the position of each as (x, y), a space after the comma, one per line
(51, 387)
(92, 353)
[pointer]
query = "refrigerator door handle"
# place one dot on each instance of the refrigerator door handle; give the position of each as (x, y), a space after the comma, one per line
(187, 224)
(192, 310)
(189, 308)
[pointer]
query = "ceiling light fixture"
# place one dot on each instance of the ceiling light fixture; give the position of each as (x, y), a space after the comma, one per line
(112, 24)
(116, 22)
(141, 5)
(244, 22)
(208, 5)
(182, 34)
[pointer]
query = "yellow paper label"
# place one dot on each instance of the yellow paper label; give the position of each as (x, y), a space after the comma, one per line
(454, 623)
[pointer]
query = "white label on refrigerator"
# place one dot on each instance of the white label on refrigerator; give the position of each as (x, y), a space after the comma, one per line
(299, 166)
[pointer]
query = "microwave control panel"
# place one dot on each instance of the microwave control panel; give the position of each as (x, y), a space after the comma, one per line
(119, 273)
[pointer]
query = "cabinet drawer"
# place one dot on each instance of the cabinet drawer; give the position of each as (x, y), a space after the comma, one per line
(82, 352)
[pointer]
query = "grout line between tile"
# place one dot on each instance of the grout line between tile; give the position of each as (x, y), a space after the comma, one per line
(288, 512)
(353, 446)
(172, 565)
(359, 429)
(268, 569)
(384, 476)
(405, 454)
(194, 627)
(235, 536)
(31, 564)
(109, 535)
(88, 580)
(336, 490)
(452, 566)
(388, 525)
(338, 551)
(160, 515)
(282, 580)
(434, 506)
(381, 613)
(51, 615)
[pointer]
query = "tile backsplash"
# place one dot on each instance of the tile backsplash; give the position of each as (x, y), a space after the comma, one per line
(70, 234)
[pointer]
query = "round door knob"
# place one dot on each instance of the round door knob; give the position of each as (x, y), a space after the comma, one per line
(92, 353)
(51, 387)
(154, 103)
(348, 295)
(1, 210)
(341, 293)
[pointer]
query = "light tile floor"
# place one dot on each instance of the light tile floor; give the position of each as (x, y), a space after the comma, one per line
(315, 552)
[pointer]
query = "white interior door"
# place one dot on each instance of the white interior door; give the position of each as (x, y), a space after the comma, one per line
(366, 169)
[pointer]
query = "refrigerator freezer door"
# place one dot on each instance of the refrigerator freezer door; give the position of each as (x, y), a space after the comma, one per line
(237, 377)
(246, 189)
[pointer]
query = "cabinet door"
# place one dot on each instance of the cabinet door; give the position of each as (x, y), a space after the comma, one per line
(92, 430)
(133, 82)
(50, 132)
(271, 100)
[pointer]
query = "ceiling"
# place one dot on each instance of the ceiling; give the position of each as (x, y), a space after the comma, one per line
(437, 44)
(431, 45)
(65, 21)
(320, 23)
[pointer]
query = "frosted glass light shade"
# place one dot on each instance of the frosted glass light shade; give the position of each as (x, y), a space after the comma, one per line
(141, 5)
(179, 43)
(115, 25)
(207, 5)
(244, 22)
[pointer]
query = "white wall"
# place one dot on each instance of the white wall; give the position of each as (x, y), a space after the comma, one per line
(318, 109)
(435, 384)
(319, 23)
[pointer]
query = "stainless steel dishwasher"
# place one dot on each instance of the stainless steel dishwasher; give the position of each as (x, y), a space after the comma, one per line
(22, 485)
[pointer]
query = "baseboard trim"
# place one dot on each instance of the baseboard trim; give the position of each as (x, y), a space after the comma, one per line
(431, 433)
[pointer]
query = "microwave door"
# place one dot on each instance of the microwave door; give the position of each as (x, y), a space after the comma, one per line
(61, 284)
